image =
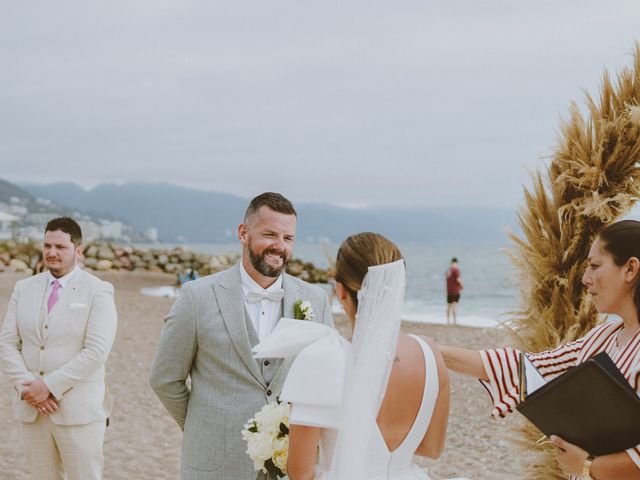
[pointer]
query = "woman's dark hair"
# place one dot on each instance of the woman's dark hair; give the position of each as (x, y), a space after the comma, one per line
(622, 241)
(359, 252)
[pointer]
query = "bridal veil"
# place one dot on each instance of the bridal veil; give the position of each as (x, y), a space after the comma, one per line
(380, 303)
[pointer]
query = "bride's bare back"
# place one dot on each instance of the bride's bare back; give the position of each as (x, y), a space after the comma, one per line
(403, 398)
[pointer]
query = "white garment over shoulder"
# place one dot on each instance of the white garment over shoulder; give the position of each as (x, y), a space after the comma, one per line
(314, 386)
(339, 386)
(381, 463)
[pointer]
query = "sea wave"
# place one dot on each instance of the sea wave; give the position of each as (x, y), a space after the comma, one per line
(478, 321)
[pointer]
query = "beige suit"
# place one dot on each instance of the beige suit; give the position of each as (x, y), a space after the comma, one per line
(67, 349)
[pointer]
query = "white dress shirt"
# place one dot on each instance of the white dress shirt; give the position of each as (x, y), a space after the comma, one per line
(265, 313)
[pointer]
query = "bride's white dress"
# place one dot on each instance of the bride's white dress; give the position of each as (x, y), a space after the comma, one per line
(382, 464)
(314, 386)
(339, 386)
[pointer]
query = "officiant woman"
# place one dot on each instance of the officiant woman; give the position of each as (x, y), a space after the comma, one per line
(612, 279)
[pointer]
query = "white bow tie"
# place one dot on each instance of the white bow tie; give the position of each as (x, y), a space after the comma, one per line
(274, 296)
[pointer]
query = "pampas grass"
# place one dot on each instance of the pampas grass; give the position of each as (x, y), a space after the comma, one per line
(592, 180)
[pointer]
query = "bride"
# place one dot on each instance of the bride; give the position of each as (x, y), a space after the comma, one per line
(371, 404)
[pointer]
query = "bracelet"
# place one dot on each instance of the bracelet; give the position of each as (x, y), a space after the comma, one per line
(586, 468)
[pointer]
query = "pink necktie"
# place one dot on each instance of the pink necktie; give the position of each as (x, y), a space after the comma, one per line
(53, 296)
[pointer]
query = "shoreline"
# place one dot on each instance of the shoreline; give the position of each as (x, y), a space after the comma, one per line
(143, 441)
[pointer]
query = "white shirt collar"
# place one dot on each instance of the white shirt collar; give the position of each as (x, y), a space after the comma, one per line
(64, 279)
(250, 285)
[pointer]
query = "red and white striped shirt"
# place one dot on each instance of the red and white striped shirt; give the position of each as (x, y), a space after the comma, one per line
(501, 365)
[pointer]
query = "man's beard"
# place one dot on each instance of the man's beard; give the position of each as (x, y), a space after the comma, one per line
(259, 262)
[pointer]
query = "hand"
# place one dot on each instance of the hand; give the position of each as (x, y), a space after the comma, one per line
(48, 406)
(35, 392)
(570, 457)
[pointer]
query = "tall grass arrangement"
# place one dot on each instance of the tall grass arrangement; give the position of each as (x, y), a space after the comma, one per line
(592, 180)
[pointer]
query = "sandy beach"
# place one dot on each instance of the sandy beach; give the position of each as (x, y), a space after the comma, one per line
(143, 442)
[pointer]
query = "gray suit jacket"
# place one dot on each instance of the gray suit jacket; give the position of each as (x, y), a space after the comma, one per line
(206, 337)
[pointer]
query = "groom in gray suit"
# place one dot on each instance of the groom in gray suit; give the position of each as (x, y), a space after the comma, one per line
(208, 336)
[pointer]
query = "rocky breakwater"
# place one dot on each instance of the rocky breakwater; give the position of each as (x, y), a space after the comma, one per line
(106, 256)
(27, 257)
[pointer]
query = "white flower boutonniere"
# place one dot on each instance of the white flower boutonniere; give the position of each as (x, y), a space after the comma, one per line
(302, 310)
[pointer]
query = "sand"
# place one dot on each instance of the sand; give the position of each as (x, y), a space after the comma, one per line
(143, 442)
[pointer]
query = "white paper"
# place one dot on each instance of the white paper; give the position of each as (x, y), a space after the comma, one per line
(533, 378)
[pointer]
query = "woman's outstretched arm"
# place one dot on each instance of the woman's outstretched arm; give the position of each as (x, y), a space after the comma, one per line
(465, 361)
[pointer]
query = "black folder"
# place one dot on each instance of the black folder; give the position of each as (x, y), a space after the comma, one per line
(591, 405)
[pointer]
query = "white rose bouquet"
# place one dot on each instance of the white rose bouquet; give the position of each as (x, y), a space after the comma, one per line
(267, 437)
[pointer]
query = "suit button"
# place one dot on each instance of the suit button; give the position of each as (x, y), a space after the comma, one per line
(41, 372)
(46, 326)
(268, 393)
(266, 363)
(41, 347)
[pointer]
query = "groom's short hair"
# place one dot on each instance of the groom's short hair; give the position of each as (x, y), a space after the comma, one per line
(275, 201)
(67, 225)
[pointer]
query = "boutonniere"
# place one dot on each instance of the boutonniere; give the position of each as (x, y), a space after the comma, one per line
(302, 310)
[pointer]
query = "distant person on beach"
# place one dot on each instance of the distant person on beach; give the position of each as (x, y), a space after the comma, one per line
(454, 287)
(57, 335)
(612, 278)
(208, 336)
(188, 276)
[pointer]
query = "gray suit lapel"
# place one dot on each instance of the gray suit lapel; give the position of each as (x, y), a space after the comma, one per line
(292, 294)
(228, 293)
(251, 330)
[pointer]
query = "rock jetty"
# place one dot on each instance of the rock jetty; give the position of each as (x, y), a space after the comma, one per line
(27, 257)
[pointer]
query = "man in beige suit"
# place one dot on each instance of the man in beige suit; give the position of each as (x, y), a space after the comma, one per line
(54, 343)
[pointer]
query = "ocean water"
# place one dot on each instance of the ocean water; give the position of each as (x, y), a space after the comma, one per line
(490, 290)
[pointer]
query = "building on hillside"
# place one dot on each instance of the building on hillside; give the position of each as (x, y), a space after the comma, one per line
(152, 234)
(112, 230)
(8, 226)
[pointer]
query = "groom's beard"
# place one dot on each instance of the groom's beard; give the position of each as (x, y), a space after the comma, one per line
(259, 262)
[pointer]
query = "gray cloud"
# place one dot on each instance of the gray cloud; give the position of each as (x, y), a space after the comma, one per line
(364, 102)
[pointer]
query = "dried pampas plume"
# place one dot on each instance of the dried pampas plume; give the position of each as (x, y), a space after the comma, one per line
(592, 180)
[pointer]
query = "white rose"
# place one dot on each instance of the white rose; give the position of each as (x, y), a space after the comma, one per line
(259, 448)
(307, 311)
(280, 454)
(270, 417)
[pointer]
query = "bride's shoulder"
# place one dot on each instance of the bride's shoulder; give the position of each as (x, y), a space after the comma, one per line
(416, 348)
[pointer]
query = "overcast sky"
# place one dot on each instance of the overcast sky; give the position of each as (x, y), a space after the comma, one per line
(355, 103)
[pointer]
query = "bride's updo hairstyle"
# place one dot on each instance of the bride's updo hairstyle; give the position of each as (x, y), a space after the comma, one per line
(359, 252)
(622, 241)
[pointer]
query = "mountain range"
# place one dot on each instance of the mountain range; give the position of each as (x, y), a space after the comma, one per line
(182, 214)
(10, 191)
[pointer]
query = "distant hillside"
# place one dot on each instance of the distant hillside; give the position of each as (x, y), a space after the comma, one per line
(177, 212)
(10, 191)
(190, 215)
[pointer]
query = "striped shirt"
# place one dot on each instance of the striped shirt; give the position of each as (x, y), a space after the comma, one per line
(501, 365)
